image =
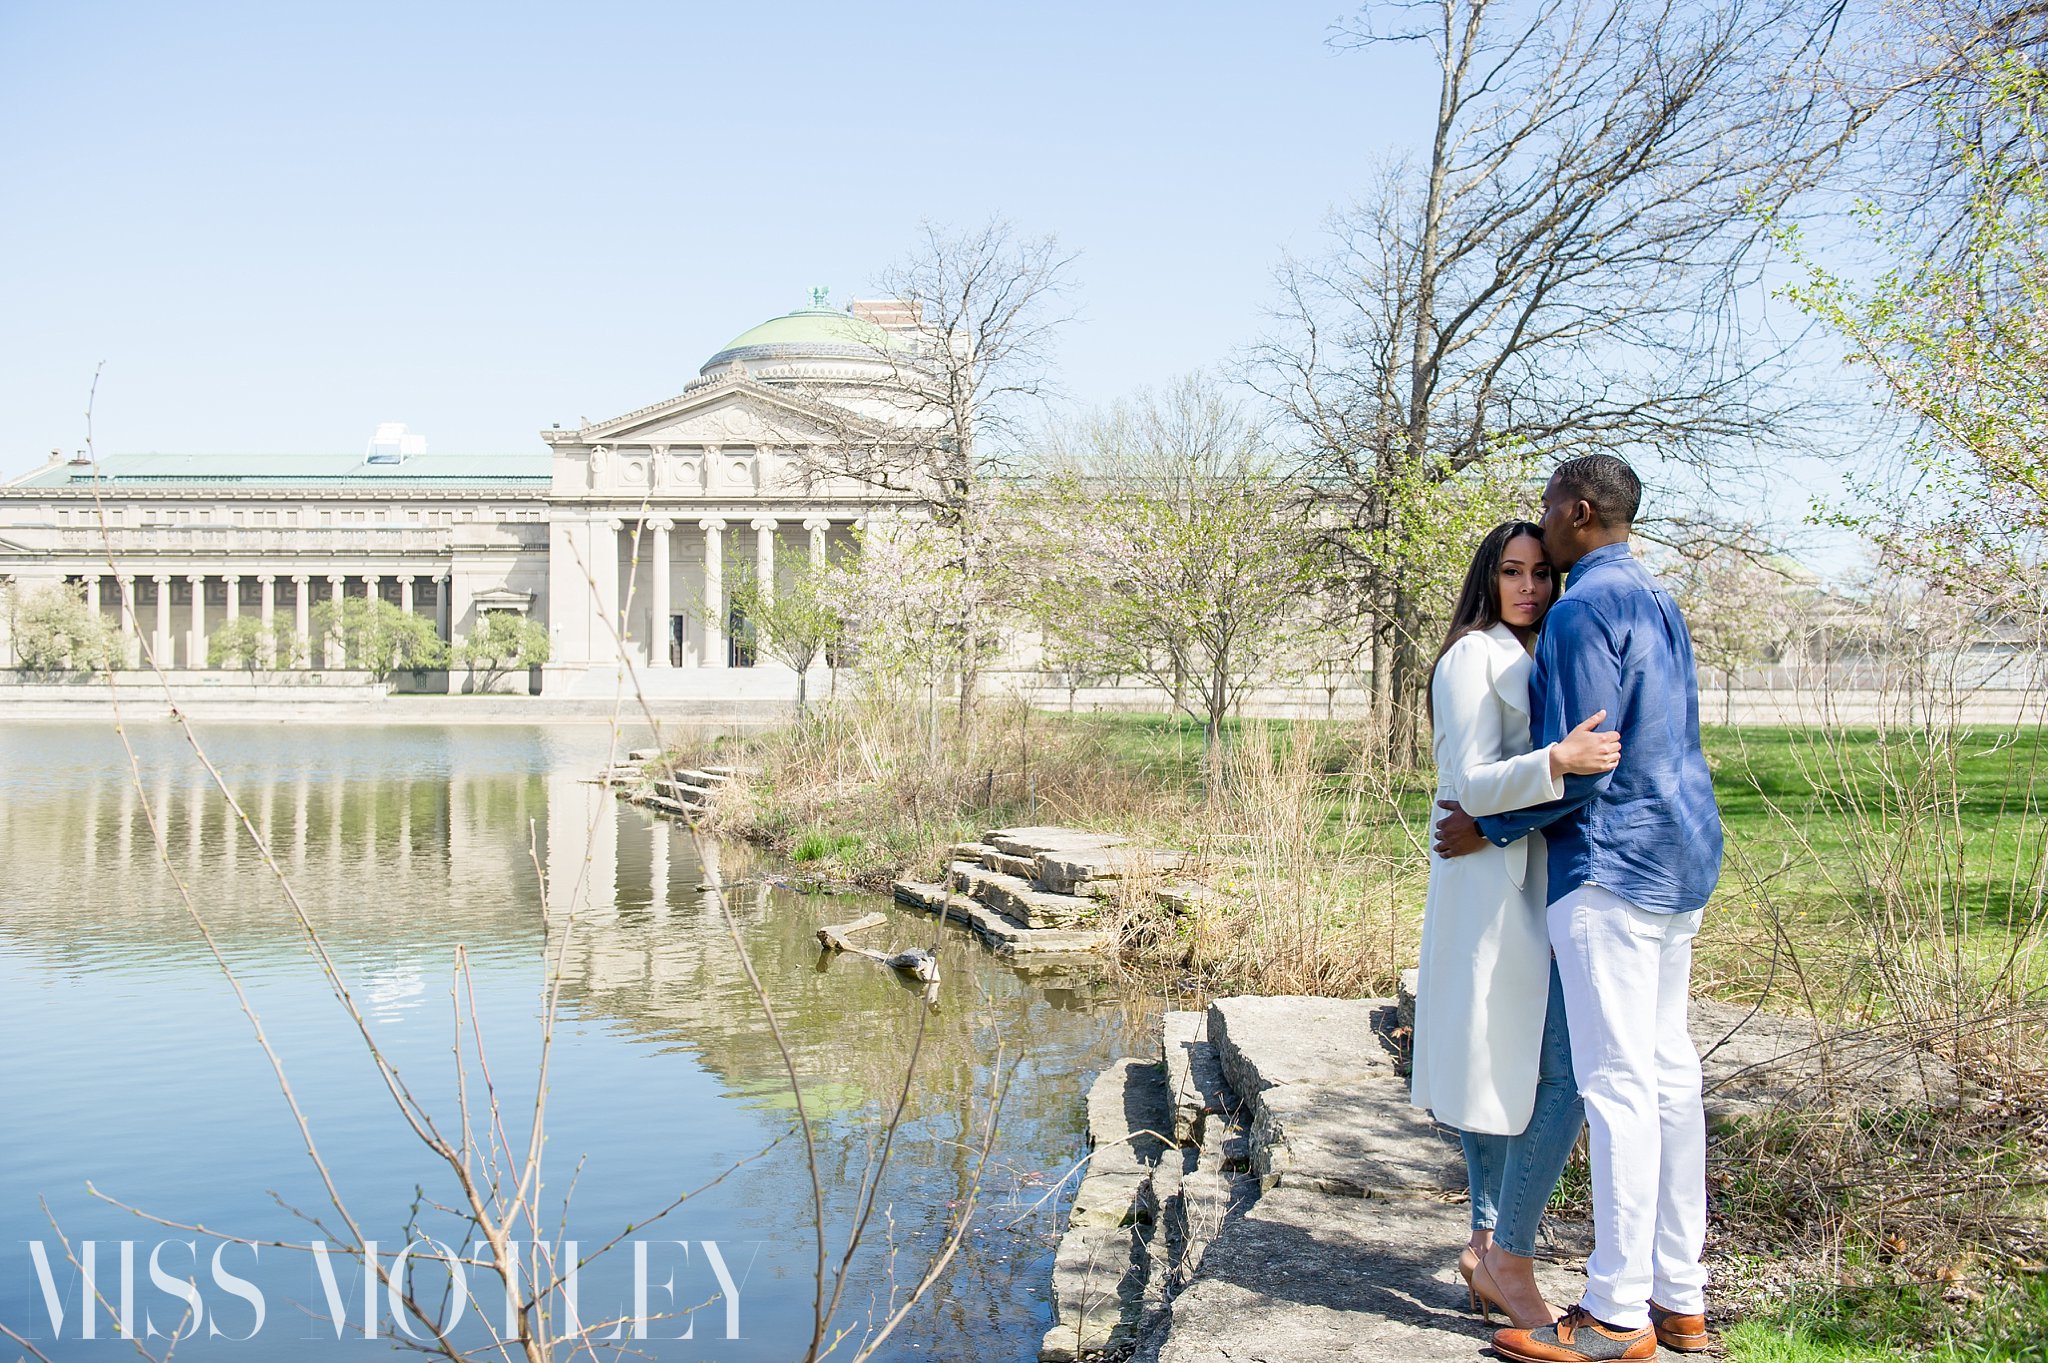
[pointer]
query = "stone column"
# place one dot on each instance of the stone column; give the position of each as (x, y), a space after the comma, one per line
(372, 588)
(405, 592)
(89, 591)
(658, 830)
(714, 592)
(817, 525)
(764, 556)
(131, 643)
(195, 656)
(458, 607)
(609, 596)
(160, 628)
(234, 582)
(658, 637)
(266, 613)
(302, 617)
(6, 629)
(444, 619)
(331, 654)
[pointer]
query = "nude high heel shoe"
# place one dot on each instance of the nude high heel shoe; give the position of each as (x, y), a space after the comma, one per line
(1487, 1296)
(1468, 1264)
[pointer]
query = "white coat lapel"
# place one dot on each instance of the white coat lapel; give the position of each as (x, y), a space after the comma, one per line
(1511, 663)
(1511, 670)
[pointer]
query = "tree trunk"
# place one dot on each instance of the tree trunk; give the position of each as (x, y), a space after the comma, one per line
(1407, 688)
(1380, 723)
(970, 672)
(1217, 701)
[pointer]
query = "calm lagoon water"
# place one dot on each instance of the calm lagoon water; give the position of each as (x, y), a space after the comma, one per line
(129, 1065)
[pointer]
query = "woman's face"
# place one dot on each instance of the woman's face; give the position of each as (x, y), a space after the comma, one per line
(1526, 584)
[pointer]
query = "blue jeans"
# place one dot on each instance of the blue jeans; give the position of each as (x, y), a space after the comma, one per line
(1512, 1177)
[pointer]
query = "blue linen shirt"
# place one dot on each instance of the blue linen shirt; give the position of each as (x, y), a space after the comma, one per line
(1648, 831)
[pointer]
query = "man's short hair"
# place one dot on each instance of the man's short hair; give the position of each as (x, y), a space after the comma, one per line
(1604, 482)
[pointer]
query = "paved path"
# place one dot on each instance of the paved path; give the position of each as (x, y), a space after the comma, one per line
(1306, 1213)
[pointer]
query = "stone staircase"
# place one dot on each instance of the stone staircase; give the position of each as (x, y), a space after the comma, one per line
(1038, 889)
(1261, 1189)
(685, 793)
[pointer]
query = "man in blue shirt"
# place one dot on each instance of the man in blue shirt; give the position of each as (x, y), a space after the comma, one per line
(1634, 855)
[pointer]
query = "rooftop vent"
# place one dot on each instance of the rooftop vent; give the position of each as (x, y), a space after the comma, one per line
(393, 444)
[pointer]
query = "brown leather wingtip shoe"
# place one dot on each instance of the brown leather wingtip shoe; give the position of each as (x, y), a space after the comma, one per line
(1685, 1333)
(1574, 1337)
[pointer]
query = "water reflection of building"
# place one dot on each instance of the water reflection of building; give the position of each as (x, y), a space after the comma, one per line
(397, 860)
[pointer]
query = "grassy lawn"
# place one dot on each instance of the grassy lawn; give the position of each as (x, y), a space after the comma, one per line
(1861, 868)
(1831, 836)
(1900, 1320)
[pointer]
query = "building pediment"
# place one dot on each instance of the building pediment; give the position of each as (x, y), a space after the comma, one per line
(731, 411)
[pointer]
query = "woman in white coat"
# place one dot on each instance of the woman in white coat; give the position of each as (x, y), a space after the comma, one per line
(1491, 1054)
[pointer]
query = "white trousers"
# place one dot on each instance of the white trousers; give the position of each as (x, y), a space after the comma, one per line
(1627, 977)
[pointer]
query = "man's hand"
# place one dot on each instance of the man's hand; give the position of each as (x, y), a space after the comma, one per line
(1457, 833)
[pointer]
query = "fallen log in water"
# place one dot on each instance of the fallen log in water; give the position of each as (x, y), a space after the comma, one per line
(916, 961)
(835, 936)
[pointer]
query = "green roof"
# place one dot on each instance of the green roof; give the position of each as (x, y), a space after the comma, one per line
(274, 470)
(814, 326)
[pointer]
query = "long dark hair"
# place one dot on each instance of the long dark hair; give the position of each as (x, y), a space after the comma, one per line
(1479, 602)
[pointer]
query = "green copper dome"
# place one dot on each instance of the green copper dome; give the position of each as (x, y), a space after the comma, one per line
(818, 331)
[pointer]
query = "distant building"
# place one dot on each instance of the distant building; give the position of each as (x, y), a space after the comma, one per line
(618, 535)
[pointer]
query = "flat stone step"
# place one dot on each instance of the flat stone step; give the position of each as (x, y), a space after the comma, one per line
(1030, 841)
(969, 851)
(1103, 1270)
(1194, 1075)
(1227, 1143)
(1005, 935)
(1128, 1115)
(1024, 868)
(1264, 1041)
(1098, 1286)
(1358, 1139)
(702, 778)
(1018, 898)
(1067, 871)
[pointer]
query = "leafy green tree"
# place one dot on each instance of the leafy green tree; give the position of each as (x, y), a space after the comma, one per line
(1172, 550)
(502, 642)
(379, 637)
(287, 650)
(56, 631)
(1955, 335)
(797, 622)
(238, 643)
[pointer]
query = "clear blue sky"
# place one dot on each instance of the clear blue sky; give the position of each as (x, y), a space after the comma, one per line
(280, 223)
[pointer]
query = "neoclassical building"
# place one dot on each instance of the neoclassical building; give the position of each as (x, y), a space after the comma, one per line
(621, 536)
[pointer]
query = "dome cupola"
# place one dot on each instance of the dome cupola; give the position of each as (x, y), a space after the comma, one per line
(819, 333)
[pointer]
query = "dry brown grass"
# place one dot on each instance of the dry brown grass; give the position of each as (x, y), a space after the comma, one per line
(1306, 900)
